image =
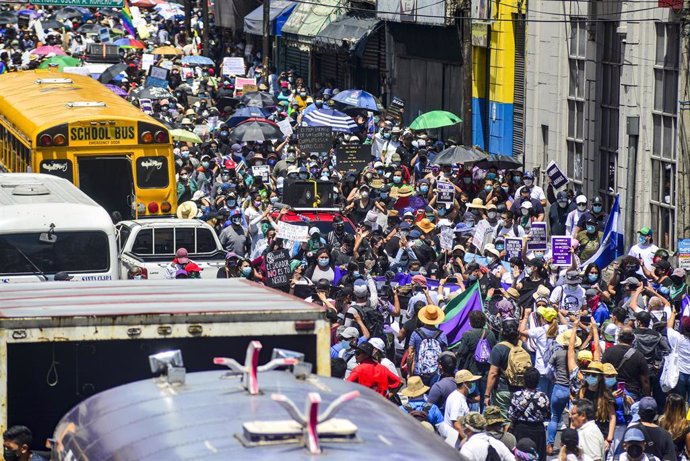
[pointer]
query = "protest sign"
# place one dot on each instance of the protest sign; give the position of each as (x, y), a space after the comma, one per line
(165, 64)
(147, 60)
(538, 233)
(684, 254)
(292, 232)
(555, 174)
(104, 34)
(233, 66)
(481, 232)
(146, 106)
(560, 251)
(262, 172)
(352, 157)
(285, 127)
(249, 88)
(278, 268)
(23, 20)
(513, 248)
(445, 192)
(315, 138)
(158, 77)
(446, 238)
(240, 82)
(396, 108)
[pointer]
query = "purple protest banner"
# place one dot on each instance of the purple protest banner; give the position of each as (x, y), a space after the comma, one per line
(560, 251)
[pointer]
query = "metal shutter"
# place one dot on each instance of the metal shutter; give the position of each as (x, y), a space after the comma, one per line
(298, 60)
(519, 92)
(374, 56)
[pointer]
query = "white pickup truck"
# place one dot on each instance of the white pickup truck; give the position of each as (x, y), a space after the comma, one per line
(152, 243)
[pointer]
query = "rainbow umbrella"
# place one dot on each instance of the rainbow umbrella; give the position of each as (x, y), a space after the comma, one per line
(129, 43)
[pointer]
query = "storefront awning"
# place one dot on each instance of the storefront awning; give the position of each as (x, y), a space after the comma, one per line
(309, 19)
(350, 32)
(280, 12)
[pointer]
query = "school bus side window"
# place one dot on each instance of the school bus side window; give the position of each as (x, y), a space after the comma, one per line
(152, 172)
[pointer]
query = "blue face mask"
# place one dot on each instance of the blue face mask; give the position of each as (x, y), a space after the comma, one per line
(500, 247)
(424, 189)
(642, 239)
(610, 382)
(596, 208)
(246, 271)
(356, 274)
(590, 229)
(488, 188)
(442, 211)
(592, 277)
(232, 203)
(414, 272)
(397, 179)
(345, 344)
(516, 179)
(324, 262)
(591, 380)
(472, 278)
(206, 165)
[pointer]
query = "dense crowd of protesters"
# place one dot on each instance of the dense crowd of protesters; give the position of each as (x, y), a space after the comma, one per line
(580, 362)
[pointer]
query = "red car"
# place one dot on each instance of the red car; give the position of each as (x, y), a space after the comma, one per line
(323, 219)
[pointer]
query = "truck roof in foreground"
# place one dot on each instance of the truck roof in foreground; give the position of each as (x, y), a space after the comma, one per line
(237, 297)
(203, 420)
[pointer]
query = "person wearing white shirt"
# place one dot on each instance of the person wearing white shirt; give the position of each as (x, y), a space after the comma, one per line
(456, 404)
(536, 192)
(543, 336)
(575, 215)
(680, 345)
(591, 438)
(644, 249)
(569, 297)
(475, 446)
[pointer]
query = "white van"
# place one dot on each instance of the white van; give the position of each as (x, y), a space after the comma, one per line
(152, 243)
(47, 225)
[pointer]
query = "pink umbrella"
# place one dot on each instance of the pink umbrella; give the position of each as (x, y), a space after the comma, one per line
(46, 50)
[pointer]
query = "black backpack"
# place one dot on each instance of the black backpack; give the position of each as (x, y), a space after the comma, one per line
(492, 454)
(373, 320)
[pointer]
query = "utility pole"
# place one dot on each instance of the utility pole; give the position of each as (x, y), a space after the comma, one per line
(466, 32)
(267, 38)
(204, 32)
(188, 16)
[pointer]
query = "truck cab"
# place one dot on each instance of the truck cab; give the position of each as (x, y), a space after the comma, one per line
(151, 244)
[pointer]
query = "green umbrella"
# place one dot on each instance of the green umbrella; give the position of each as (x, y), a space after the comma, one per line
(435, 119)
(61, 62)
(184, 135)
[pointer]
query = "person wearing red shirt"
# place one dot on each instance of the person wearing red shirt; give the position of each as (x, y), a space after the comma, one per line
(371, 373)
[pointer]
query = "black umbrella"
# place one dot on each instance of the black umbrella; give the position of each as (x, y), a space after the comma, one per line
(8, 17)
(256, 129)
(69, 12)
(458, 154)
(109, 12)
(112, 71)
(92, 29)
(153, 92)
(500, 162)
(52, 24)
(227, 104)
(259, 99)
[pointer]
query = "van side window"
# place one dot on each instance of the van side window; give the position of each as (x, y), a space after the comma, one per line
(165, 241)
(205, 243)
(143, 245)
(184, 238)
(123, 233)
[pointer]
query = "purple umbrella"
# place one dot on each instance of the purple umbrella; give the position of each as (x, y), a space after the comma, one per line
(117, 90)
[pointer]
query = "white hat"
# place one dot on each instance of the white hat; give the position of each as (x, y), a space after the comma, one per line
(581, 199)
(526, 204)
(378, 344)
(314, 231)
(187, 210)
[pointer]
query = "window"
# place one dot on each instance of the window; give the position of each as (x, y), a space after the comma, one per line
(123, 233)
(152, 172)
(143, 245)
(184, 238)
(164, 241)
(609, 126)
(576, 98)
(60, 168)
(73, 252)
(205, 243)
(665, 133)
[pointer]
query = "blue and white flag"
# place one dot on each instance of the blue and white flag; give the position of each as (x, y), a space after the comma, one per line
(612, 243)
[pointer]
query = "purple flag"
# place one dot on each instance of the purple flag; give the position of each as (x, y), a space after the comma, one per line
(460, 322)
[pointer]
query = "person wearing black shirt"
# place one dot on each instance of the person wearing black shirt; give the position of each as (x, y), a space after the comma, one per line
(632, 367)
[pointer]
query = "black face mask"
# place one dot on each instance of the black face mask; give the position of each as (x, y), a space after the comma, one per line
(10, 455)
(634, 451)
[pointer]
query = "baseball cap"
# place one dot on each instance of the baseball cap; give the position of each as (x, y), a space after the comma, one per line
(419, 279)
(181, 255)
(581, 199)
(631, 281)
(679, 272)
(378, 344)
(634, 435)
(528, 174)
(562, 196)
(647, 407)
(663, 265)
(350, 333)
(645, 231)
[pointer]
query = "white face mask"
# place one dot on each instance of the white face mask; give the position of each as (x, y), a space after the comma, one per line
(491, 214)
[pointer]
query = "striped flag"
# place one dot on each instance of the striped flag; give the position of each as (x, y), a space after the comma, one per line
(612, 242)
(337, 120)
(458, 312)
(127, 21)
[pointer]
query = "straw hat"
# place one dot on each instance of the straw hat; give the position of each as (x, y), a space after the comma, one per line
(477, 203)
(609, 370)
(426, 226)
(187, 210)
(564, 339)
(465, 376)
(403, 191)
(490, 248)
(513, 293)
(542, 292)
(415, 387)
(431, 315)
(594, 368)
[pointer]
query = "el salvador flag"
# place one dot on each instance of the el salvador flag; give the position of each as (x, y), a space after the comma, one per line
(612, 243)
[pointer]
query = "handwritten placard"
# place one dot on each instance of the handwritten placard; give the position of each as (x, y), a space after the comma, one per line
(315, 138)
(353, 157)
(278, 268)
(292, 232)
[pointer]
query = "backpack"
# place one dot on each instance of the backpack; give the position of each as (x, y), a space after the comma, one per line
(649, 346)
(551, 347)
(492, 454)
(482, 352)
(429, 352)
(373, 320)
(518, 361)
(421, 414)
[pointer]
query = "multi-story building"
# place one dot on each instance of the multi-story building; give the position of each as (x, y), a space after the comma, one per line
(603, 100)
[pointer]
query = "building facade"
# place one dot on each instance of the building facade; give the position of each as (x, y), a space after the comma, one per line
(603, 100)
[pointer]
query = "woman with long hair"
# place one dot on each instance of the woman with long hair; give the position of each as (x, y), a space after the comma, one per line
(674, 420)
(598, 392)
(570, 450)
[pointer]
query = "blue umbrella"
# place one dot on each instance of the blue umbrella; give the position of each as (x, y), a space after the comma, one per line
(197, 61)
(330, 117)
(246, 113)
(359, 99)
(31, 13)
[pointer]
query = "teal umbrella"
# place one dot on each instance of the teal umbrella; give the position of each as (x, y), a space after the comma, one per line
(435, 119)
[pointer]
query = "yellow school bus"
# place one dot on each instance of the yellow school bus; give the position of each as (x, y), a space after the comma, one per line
(74, 127)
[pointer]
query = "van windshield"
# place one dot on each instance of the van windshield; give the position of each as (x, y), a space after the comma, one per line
(73, 252)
